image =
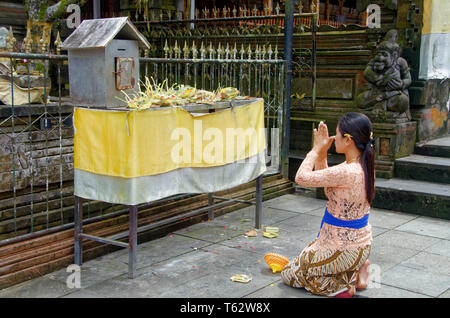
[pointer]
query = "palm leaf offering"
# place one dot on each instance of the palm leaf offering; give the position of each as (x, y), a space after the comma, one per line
(151, 94)
(276, 261)
(241, 278)
(270, 232)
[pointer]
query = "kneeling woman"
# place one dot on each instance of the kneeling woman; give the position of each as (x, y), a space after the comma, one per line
(336, 262)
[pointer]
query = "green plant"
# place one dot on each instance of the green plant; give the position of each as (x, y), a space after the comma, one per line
(61, 11)
(38, 9)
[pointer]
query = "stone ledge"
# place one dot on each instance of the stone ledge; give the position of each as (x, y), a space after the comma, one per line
(413, 196)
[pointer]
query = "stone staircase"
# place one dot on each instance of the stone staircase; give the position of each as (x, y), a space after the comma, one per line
(421, 183)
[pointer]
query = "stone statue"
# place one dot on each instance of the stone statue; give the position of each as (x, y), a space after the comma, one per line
(22, 94)
(385, 95)
(4, 61)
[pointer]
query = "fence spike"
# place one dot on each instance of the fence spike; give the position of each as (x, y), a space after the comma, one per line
(202, 51)
(234, 11)
(166, 49)
(219, 52)
(10, 40)
(270, 52)
(58, 43)
(42, 41)
(28, 40)
(234, 51)
(255, 11)
(227, 52)
(176, 50)
(277, 9)
(186, 50)
(249, 52)
(211, 51)
(242, 51)
(194, 51)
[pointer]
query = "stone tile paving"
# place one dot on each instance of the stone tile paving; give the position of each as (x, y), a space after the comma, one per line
(410, 258)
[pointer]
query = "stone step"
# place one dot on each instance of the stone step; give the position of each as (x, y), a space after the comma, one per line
(424, 168)
(437, 147)
(413, 196)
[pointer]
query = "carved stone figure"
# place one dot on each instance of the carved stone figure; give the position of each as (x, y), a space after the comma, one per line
(4, 61)
(385, 95)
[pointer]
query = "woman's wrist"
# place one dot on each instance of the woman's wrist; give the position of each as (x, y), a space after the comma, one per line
(320, 153)
(322, 156)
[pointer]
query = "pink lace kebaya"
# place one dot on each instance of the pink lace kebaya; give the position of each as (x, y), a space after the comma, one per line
(345, 190)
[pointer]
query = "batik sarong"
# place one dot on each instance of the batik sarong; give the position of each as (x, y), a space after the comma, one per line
(325, 272)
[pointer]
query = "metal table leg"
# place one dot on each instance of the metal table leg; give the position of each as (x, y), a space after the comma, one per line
(78, 229)
(211, 210)
(132, 242)
(258, 212)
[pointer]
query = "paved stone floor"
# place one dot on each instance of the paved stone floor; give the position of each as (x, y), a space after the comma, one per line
(410, 258)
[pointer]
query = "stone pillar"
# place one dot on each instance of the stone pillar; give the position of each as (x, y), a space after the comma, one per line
(392, 141)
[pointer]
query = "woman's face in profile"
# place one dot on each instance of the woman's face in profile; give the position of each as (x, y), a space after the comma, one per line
(339, 141)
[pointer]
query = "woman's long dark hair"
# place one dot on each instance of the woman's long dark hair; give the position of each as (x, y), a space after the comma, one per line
(359, 127)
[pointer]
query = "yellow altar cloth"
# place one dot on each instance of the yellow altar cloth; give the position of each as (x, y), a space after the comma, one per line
(132, 157)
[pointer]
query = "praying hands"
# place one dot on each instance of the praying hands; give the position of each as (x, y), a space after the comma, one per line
(322, 141)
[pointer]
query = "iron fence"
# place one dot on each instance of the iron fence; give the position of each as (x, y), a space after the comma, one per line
(252, 77)
(241, 49)
(36, 151)
(36, 138)
(239, 33)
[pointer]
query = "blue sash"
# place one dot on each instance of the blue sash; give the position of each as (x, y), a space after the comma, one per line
(352, 224)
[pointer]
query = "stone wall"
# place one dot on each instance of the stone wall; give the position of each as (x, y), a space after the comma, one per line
(31, 181)
(429, 107)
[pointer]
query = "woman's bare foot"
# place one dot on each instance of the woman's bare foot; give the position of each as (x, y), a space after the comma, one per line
(352, 291)
(349, 293)
(363, 276)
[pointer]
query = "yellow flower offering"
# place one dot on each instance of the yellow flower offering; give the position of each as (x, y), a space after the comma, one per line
(151, 94)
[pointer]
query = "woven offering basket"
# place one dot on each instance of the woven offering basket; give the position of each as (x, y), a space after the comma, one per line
(276, 261)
